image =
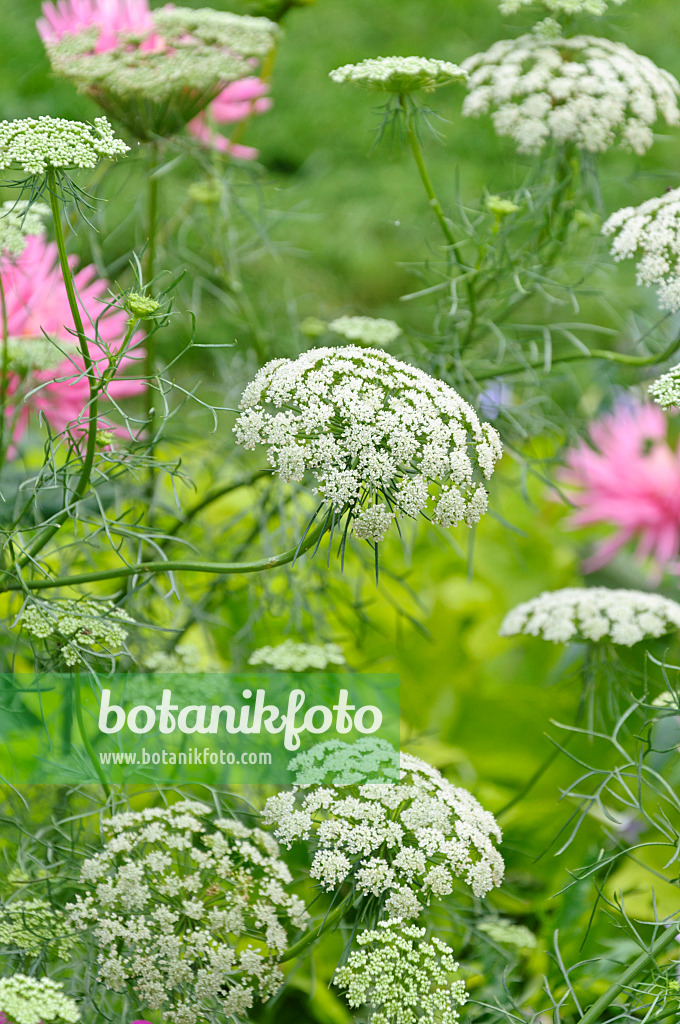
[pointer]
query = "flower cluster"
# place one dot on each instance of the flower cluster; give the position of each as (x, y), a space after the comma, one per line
(159, 75)
(192, 912)
(185, 658)
(594, 613)
(18, 220)
(377, 435)
(75, 629)
(589, 92)
(507, 933)
(367, 330)
(402, 843)
(399, 74)
(628, 477)
(38, 310)
(25, 1000)
(290, 656)
(401, 977)
(33, 927)
(38, 144)
(665, 390)
(557, 7)
(652, 233)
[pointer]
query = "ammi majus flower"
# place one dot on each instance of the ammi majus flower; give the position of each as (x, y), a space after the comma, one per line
(380, 439)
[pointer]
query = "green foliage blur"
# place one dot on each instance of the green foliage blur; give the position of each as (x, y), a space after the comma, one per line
(351, 222)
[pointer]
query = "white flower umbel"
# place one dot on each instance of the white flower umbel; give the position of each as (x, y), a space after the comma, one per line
(592, 93)
(373, 433)
(650, 233)
(366, 330)
(290, 656)
(507, 933)
(335, 763)
(26, 1000)
(402, 978)
(400, 74)
(403, 843)
(18, 220)
(159, 79)
(666, 389)
(34, 927)
(36, 145)
(557, 7)
(73, 629)
(191, 912)
(594, 613)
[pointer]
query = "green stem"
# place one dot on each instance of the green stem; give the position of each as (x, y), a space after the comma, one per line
(90, 371)
(150, 392)
(572, 357)
(219, 568)
(4, 372)
(595, 1012)
(84, 737)
(314, 933)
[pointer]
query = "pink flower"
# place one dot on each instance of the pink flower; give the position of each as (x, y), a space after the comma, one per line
(237, 102)
(110, 16)
(628, 477)
(37, 305)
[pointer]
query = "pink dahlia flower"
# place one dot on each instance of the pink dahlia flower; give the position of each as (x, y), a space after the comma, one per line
(628, 478)
(110, 16)
(37, 305)
(236, 102)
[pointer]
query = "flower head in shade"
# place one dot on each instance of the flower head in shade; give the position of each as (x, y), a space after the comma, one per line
(628, 477)
(36, 145)
(401, 977)
(236, 103)
(42, 349)
(75, 629)
(401, 843)
(19, 220)
(27, 1000)
(592, 93)
(367, 330)
(34, 927)
(594, 613)
(160, 75)
(190, 911)
(507, 933)
(400, 74)
(380, 438)
(290, 656)
(335, 763)
(650, 233)
(557, 7)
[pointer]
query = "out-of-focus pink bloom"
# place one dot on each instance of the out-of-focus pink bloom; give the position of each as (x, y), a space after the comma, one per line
(37, 305)
(628, 477)
(237, 102)
(110, 16)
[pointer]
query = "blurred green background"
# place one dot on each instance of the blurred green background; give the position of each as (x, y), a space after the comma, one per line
(353, 219)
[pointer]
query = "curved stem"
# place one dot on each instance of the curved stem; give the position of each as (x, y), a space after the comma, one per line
(90, 372)
(78, 704)
(595, 1012)
(219, 568)
(314, 933)
(572, 357)
(425, 177)
(213, 495)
